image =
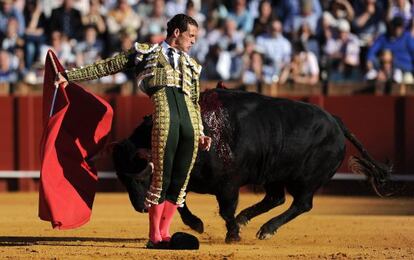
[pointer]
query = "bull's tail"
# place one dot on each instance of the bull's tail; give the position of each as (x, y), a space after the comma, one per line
(378, 173)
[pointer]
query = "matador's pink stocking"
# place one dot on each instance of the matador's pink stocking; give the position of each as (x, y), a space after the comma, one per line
(155, 213)
(167, 217)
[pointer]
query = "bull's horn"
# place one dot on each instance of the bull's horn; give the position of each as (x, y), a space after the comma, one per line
(146, 172)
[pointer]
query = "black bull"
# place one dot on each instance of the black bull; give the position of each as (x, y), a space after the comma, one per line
(276, 143)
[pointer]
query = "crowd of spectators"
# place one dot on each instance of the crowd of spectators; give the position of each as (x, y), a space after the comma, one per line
(250, 41)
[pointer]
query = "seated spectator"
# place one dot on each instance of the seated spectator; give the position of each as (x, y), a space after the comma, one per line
(400, 43)
(400, 8)
(368, 22)
(14, 44)
(231, 46)
(122, 18)
(338, 10)
(60, 45)
(216, 10)
(155, 23)
(174, 7)
(288, 8)
(11, 40)
(34, 34)
(127, 42)
(306, 36)
(8, 10)
(144, 8)
(342, 52)
(264, 18)
(231, 39)
(242, 59)
(306, 16)
(276, 49)
(8, 67)
(90, 49)
(192, 11)
(95, 18)
(67, 20)
(240, 14)
(214, 29)
(216, 65)
(303, 69)
(386, 75)
(253, 72)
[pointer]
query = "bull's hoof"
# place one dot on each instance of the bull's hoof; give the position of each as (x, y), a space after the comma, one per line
(263, 233)
(232, 238)
(242, 221)
(197, 225)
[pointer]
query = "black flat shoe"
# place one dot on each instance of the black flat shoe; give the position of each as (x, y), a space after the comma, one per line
(159, 245)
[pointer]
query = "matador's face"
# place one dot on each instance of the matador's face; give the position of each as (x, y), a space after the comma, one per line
(185, 40)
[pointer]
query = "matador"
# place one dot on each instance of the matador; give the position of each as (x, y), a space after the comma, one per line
(170, 77)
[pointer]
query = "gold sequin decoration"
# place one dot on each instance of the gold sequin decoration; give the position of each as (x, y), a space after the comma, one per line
(161, 124)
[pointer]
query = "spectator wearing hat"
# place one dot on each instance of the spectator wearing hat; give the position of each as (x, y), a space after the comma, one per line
(342, 51)
(400, 43)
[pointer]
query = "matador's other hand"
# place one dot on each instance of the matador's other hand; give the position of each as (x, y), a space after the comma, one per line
(60, 79)
(204, 143)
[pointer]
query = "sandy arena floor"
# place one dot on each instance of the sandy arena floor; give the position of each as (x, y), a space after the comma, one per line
(336, 228)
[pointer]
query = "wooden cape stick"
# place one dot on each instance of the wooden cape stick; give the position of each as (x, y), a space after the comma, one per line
(56, 85)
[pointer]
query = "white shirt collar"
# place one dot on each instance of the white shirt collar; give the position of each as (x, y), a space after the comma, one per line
(176, 54)
(165, 46)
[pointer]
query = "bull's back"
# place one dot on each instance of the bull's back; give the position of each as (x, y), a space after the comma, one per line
(272, 133)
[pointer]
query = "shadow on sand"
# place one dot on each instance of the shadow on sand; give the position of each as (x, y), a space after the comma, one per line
(66, 241)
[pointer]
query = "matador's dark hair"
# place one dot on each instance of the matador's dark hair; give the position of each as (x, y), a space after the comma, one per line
(180, 21)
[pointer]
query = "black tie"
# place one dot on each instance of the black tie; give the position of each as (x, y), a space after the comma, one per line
(171, 57)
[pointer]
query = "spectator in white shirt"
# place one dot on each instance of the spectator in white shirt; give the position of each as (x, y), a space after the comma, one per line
(303, 69)
(276, 49)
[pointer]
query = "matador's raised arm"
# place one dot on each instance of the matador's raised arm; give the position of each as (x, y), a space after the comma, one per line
(120, 62)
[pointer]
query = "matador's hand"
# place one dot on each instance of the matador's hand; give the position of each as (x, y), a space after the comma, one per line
(204, 143)
(60, 79)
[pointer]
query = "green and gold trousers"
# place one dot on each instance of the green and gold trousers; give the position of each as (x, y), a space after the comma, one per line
(175, 136)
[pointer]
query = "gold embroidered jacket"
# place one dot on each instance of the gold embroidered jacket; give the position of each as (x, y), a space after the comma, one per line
(152, 69)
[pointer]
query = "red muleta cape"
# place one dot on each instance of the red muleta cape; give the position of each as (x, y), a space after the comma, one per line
(76, 126)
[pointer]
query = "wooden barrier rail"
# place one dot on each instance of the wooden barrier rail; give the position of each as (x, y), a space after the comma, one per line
(288, 89)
